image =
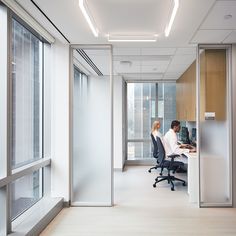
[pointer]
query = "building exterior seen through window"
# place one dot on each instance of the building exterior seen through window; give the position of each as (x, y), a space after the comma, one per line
(147, 102)
(26, 118)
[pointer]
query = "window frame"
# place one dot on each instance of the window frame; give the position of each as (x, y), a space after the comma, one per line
(44, 164)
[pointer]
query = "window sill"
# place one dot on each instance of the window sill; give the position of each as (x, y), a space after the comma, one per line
(34, 220)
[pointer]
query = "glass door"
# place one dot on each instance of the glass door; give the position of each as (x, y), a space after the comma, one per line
(214, 126)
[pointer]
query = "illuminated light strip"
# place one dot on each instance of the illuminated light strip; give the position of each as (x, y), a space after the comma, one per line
(83, 6)
(168, 28)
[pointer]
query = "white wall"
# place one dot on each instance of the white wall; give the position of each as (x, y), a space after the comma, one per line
(118, 123)
(60, 121)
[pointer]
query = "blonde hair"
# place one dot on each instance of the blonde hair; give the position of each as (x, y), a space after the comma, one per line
(156, 125)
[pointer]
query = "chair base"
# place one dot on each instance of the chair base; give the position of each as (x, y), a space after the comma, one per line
(170, 179)
(154, 167)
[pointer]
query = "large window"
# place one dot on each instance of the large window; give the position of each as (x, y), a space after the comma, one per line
(147, 102)
(26, 115)
(24, 119)
(26, 96)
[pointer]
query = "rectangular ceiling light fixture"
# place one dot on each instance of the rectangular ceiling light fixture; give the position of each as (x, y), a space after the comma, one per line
(173, 14)
(84, 8)
(129, 38)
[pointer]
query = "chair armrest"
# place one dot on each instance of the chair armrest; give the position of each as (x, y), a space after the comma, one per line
(173, 156)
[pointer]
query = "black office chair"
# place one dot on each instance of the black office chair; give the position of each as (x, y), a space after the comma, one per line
(169, 165)
(155, 155)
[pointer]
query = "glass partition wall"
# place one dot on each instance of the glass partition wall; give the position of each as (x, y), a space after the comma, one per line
(147, 102)
(91, 131)
(214, 126)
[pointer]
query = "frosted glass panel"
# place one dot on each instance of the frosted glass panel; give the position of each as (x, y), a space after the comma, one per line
(91, 180)
(214, 126)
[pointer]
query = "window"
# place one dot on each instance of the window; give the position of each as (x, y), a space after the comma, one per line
(26, 115)
(25, 191)
(147, 102)
(26, 96)
(23, 122)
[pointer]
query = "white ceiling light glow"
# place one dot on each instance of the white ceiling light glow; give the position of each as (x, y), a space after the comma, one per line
(173, 14)
(129, 38)
(84, 8)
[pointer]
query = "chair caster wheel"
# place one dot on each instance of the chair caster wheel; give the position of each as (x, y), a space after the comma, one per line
(184, 184)
(161, 174)
(172, 189)
(149, 171)
(154, 185)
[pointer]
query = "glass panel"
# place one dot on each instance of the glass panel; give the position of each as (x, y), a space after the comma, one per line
(139, 150)
(141, 98)
(25, 192)
(147, 102)
(3, 91)
(214, 129)
(91, 177)
(26, 96)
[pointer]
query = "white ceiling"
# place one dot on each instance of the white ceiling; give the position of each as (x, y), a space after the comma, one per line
(197, 21)
(214, 27)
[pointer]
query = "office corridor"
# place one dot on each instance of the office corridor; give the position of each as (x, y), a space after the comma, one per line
(142, 210)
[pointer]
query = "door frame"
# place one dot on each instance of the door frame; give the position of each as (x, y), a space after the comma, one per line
(229, 111)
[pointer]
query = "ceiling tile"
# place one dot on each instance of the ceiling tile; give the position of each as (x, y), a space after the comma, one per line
(186, 51)
(231, 38)
(153, 69)
(210, 36)
(155, 63)
(177, 69)
(216, 17)
(126, 51)
(158, 51)
(183, 59)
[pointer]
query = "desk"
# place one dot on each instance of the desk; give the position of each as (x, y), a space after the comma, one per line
(192, 176)
(192, 161)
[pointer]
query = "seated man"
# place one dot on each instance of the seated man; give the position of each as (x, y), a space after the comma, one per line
(171, 142)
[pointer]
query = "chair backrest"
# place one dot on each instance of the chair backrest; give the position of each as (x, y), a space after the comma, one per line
(155, 149)
(161, 151)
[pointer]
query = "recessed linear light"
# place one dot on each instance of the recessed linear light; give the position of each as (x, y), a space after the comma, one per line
(129, 38)
(173, 14)
(84, 8)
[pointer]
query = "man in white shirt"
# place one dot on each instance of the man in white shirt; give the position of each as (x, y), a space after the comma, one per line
(171, 142)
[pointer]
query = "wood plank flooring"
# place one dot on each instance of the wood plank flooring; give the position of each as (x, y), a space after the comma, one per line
(142, 210)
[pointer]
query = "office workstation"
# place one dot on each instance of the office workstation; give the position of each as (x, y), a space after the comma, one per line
(208, 93)
(175, 152)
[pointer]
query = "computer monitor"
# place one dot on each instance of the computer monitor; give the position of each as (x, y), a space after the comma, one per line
(194, 135)
(184, 135)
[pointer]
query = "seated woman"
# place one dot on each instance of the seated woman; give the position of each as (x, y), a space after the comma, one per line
(155, 129)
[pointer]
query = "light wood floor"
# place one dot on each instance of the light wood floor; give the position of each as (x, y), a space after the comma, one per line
(142, 210)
